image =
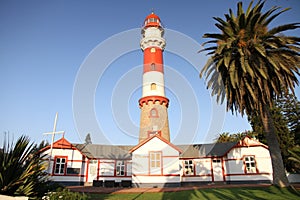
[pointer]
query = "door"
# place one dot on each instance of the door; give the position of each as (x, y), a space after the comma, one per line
(217, 169)
(92, 174)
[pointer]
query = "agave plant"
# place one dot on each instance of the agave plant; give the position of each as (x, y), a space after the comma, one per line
(22, 170)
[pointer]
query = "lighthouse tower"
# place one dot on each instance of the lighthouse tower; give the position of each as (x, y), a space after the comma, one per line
(153, 104)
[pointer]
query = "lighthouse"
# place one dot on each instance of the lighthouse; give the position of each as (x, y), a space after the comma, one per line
(153, 104)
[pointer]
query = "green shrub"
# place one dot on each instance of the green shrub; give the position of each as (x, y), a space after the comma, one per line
(64, 194)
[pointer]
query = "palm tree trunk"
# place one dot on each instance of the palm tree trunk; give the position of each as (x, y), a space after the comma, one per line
(279, 175)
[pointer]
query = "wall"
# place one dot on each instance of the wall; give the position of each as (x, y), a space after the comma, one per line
(235, 168)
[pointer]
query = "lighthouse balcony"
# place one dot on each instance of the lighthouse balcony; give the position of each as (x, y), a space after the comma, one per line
(154, 99)
(153, 42)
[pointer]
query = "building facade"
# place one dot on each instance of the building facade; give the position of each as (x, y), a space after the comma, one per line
(155, 161)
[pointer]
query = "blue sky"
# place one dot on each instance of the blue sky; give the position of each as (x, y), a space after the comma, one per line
(47, 45)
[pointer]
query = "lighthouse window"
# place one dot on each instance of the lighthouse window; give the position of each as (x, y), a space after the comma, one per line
(153, 113)
(152, 66)
(153, 86)
(152, 20)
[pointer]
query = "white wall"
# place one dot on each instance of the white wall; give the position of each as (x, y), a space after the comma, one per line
(169, 162)
(235, 169)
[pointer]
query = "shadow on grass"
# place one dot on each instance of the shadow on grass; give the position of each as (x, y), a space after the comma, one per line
(260, 193)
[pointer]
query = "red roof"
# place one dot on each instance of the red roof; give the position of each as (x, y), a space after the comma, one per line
(152, 20)
(59, 144)
(152, 15)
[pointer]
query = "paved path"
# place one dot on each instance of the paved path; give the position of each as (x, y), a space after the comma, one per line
(91, 189)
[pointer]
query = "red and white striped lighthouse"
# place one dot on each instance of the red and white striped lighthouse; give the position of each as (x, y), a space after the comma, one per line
(153, 104)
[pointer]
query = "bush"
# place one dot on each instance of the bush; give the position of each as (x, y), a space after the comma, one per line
(64, 194)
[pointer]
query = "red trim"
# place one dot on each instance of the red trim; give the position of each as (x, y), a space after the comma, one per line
(170, 156)
(75, 161)
(245, 168)
(199, 175)
(98, 168)
(233, 159)
(75, 175)
(159, 137)
(162, 100)
(250, 174)
(151, 114)
(108, 162)
(242, 144)
(151, 133)
(61, 144)
(156, 175)
(212, 171)
(120, 177)
(115, 170)
(194, 171)
(65, 167)
(223, 169)
(87, 170)
(194, 158)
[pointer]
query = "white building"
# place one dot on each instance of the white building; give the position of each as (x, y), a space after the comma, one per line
(158, 163)
(155, 161)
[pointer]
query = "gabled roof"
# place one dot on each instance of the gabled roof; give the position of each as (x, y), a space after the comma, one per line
(216, 149)
(59, 144)
(247, 141)
(155, 136)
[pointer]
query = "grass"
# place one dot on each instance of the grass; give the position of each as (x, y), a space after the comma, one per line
(271, 192)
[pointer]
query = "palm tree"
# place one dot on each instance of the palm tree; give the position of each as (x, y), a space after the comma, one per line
(223, 137)
(251, 65)
(295, 156)
(22, 171)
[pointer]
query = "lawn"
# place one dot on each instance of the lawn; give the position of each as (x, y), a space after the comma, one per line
(271, 192)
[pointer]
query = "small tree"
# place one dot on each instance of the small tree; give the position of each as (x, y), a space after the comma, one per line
(88, 139)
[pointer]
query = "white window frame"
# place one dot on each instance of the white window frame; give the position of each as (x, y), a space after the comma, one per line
(120, 167)
(250, 164)
(61, 162)
(189, 167)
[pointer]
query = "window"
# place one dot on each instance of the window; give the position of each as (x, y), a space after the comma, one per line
(153, 86)
(151, 133)
(188, 167)
(155, 159)
(60, 164)
(120, 168)
(93, 161)
(250, 164)
(216, 160)
(153, 50)
(152, 20)
(73, 170)
(153, 66)
(153, 112)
